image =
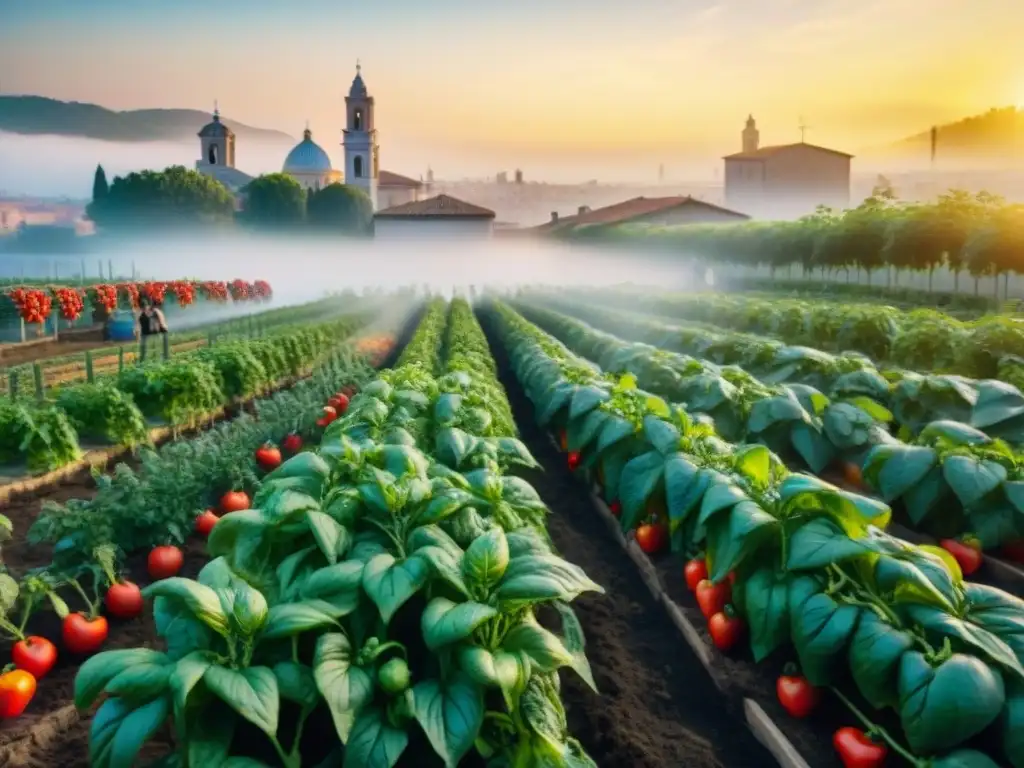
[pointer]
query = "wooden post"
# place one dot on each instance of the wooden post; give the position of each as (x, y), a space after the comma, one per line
(142, 349)
(110, 269)
(37, 375)
(167, 345)
(13, 385)
(21, 320)
(120, 359)
(99, 263)
(89, 377)
(83, 270)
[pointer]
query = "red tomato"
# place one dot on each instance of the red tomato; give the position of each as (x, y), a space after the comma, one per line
(340, 403)
(330, 414)
(725, 630)
(574, 460)
(82, 634)
(966, 555)
(695, 572)
(17, 688)
(712, 598)
(615, 508)
(1014, 550)
(857, 750)
(292, 444)
(234, 501)
(268, 457)
(35, 655)
(164, 562)
(205, 522)
(796, 695)
(652, 538)
(123, 600)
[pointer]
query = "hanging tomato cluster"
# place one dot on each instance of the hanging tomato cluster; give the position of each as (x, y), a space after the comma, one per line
(34, 305)
(261, 290)
(184, 291)
(214, 290)
(70, 302)
(154, 291)
(105, 297)
(239, 290)
(131, 290)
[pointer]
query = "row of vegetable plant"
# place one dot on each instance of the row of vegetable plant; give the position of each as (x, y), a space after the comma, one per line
(951, 480)
(374, 583)
(155, 509)
(806, 565)
(35, 304)
(922, 339)
(180, 391)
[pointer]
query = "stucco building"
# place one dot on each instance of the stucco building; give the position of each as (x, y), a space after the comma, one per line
(663, 211)
(785, 181)
(437, 218)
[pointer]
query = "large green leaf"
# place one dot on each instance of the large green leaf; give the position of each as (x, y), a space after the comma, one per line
(288, 619)
(486, 559)
(345, 687)
(251, 692)
(662, 434)
(390, 583)
(875, 653)
(450, 715)
(821, 629)
(374, 742)
(118, 731)
(1012, 724)
(340, 585)
(537, 578)
(941, 623)
(200, 601)
(733, 535)
(971, 479)
(444, 622)
(999, 612)
(820, 542)
(544, 648)
(99, 670)
(766, 605)
(943, 706)
(296, 683)
(331, 536)
(639, 479)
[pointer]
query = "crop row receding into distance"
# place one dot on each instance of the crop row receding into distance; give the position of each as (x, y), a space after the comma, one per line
(808, 567)
(943, 448)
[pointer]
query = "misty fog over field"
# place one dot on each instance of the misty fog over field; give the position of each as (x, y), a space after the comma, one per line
(302, 268)
(60, 166)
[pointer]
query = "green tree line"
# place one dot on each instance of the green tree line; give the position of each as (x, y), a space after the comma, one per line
(979, 235)
(179, 197)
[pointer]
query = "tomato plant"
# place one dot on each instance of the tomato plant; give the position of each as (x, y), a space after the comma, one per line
(651, 537)
(292, 444)
(36, 655)
(797, 696)
(234, 501)
(712, 598)
(857, 750)
(205, 522)
(268, 457)
(17, 688)
(164, 562)
(695, 572)
(123, 600)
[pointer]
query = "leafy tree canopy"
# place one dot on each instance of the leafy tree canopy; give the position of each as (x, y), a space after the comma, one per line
(176, 196)
(274, 200)
(341, 208)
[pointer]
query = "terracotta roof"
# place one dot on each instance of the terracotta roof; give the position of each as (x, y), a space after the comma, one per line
(441, 205)
(766, 152)
(630, 210)
(389, 179)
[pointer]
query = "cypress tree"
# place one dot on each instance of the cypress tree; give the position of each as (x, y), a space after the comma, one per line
(99, 184)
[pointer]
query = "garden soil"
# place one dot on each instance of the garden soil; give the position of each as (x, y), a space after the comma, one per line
(657, 707)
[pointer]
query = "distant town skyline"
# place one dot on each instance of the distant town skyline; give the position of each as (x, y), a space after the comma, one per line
(531, 84)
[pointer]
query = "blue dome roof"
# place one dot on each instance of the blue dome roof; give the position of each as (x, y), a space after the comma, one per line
(307, 157)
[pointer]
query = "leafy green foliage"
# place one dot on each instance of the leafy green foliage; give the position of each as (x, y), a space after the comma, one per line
(173, 197)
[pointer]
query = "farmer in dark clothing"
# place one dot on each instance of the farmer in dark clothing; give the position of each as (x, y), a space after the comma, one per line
(151, 322)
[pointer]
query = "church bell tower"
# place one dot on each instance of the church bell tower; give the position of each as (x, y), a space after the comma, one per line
(751, 136)
(362, 155)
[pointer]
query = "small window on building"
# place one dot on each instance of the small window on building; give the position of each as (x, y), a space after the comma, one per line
(212, 154)
(357, 166)
(357, 120)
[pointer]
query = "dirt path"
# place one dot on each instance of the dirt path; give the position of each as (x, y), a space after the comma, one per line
(658, 707)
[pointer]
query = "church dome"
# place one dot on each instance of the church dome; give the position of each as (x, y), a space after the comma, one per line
(307, 157)
(215, 129)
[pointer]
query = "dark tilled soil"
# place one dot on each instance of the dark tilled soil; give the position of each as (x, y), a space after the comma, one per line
(658, 707)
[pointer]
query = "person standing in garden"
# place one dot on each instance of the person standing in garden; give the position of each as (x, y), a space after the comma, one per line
(151, 323)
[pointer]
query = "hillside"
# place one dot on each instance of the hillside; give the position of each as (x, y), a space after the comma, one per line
(38, 115)
(998, 133)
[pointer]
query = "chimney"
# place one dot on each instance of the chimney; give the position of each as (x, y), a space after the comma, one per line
(583, 209)
(554, 217)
